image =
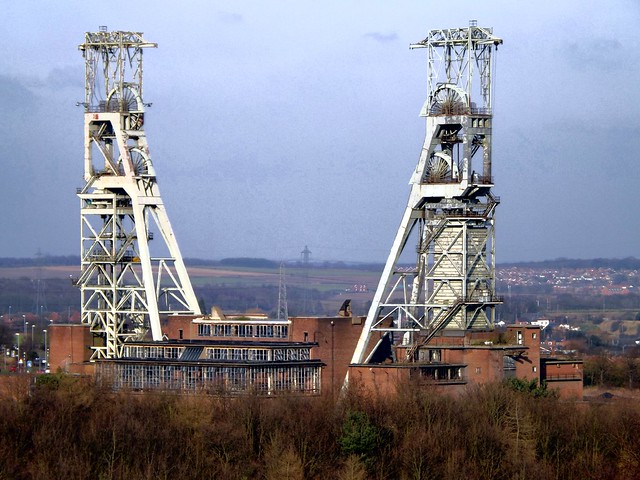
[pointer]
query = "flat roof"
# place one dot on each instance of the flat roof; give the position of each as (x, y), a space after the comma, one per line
(408, 365)
(213, 362)
(231, 342)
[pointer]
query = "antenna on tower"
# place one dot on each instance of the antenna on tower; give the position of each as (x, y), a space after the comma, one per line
(283, 309)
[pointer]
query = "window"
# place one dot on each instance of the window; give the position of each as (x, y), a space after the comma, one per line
(478, 370)
(204, 330)
(155, 352)
(534, 335)
(245, 330)
(260, 355)
(181, 334)
(172, 352)
(534, 369)
(220, 354)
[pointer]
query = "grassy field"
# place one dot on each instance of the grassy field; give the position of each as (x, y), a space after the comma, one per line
(253, 287)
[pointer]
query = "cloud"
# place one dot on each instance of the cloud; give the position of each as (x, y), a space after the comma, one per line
(381, 37)
(15, 95)
(68, 76)
(595, 53)
(229, 17)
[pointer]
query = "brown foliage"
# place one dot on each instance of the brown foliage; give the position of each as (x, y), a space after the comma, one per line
(73, 429)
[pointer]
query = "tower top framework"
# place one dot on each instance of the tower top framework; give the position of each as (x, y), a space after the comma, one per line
(461, 57)
(113, 61)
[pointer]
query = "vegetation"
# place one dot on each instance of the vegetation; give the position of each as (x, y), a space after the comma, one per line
(64, 427)
(530, 387)
(613, 372)
(249, 262)
(39, 261)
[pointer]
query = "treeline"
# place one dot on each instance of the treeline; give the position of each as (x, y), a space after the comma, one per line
(628, 263)
(250, 262)
(72, 429)
(608, 371)
(40, 261)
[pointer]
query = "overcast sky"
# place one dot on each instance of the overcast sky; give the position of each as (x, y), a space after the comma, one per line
(280, 124)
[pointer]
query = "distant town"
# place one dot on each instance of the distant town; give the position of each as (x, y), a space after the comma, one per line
(585, 277)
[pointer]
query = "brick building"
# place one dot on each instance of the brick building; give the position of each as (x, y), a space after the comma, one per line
(241, 352)
(451, 362)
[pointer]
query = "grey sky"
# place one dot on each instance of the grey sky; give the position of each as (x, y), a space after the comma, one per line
(281, 124)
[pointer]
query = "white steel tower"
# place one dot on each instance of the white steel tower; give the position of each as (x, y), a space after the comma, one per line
(450, 213)
(125, 284)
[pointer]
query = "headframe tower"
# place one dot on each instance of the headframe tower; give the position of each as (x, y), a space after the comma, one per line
(126, 281)
(450, 212)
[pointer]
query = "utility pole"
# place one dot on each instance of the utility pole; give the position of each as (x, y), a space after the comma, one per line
(283, 309)
(306, 255)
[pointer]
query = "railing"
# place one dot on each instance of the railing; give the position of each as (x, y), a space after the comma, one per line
(475, 179)
(482, 179)
(112, 107)
(458, 110)
(480, 111)
(442, 180)
(563, 376)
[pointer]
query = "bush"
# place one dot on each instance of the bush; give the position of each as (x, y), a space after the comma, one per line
(530, 387)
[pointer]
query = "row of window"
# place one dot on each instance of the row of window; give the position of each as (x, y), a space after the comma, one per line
(442, 374)
(144, 351)
(255, 354)
(258, 354)
(243, 331)
(269, 380)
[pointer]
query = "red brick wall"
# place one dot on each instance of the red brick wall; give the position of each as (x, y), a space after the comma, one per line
(336, 337)
(564, 376)
(484, 365)
(174, 323)
(69, 348)
(528, 365)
